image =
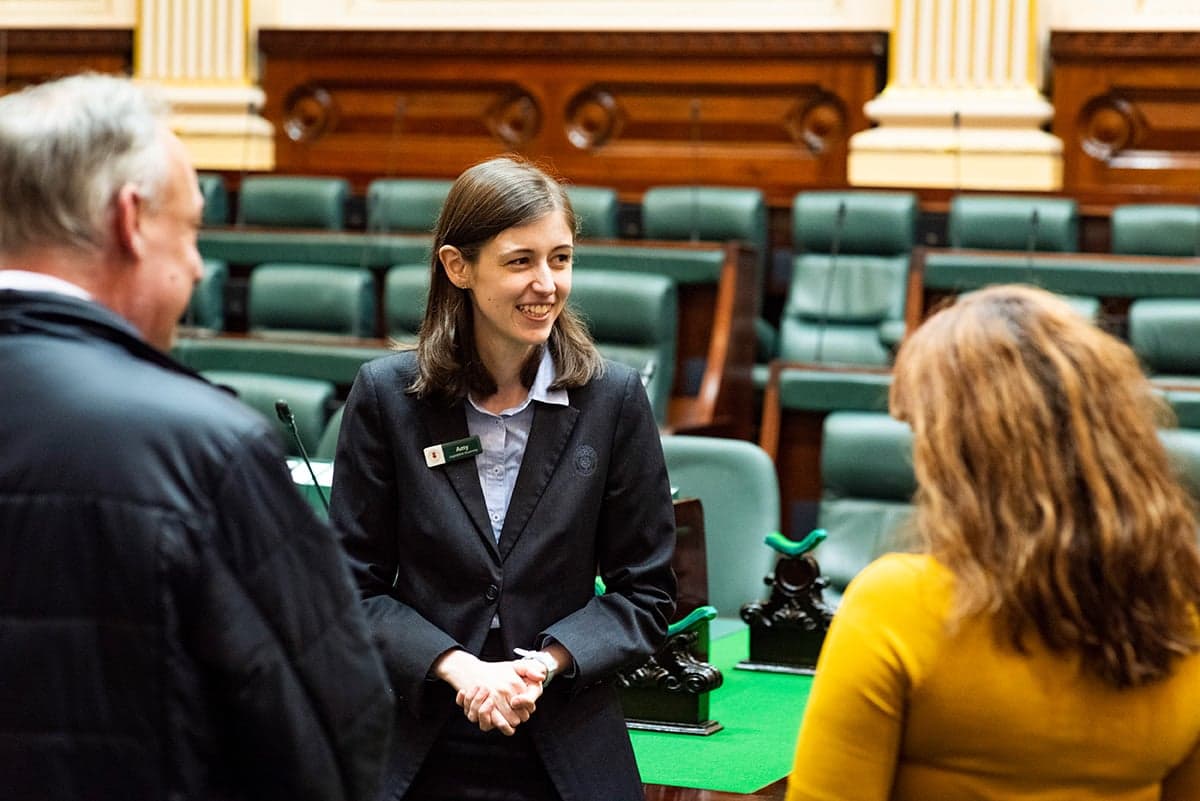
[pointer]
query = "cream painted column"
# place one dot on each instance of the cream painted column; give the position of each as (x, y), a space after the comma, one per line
(197, 50)
(962, 108)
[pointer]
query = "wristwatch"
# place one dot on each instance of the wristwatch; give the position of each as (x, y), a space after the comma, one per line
(546, 660)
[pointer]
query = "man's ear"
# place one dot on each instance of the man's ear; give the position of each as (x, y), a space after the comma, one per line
(127, 221)
(455, 265)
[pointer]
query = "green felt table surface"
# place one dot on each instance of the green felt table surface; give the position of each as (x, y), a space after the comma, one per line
(761, 713)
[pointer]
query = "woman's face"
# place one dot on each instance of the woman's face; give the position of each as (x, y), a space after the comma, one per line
(519, 285)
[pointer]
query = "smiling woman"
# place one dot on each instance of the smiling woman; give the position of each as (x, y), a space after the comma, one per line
(556, 475)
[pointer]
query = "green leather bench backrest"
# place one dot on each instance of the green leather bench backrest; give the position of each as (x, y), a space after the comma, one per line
(1183, 449)
(206, 309)
(1075, 274)
(323, 361)
(1164, 333)
(405, 204)
(707, 213)
(868, 484)
(827, 391)
(738, 489)
(1156, 229)
(595, 210)
(216, 198)
(293, 201)
(1006, 222)
(248, 246)
(405, 295)
(306, 297)
(633, 319)
(309, 400)
(873, 223)
(327, 446)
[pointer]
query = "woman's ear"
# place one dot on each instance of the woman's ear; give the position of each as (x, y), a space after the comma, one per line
(455, 265)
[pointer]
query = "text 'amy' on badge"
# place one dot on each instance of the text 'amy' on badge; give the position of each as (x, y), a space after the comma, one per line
(436, 455)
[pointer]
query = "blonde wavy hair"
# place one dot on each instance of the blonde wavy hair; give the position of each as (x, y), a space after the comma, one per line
(1043, 486)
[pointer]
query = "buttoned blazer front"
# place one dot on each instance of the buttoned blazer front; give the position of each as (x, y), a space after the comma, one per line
(591, 498)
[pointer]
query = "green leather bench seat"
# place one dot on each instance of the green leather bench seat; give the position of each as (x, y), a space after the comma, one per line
(1185, 403)
(216, 198)
(304, 359)
(633, 319)
(294, 201)
(405, 295)
(1183, 449)
(1156, 229)
(254, 246)
(206, 309)
(867, 488)
(1077, 274)
(1006, 222)
(405, 204)
(309, 399)
(1165, 334)
(826, 391)
(684, 266)
(312, 298)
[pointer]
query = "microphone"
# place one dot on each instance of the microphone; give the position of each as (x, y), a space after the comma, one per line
(695, 198)
(1031, 246)
(284, 413)
(835, 245)
(956, 122)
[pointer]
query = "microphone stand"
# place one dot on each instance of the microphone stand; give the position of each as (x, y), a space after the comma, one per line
(284, 412)
(835, 246)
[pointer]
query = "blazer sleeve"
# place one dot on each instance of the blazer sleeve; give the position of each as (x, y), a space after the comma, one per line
(635, 540)
(274, 618)
(363, 510)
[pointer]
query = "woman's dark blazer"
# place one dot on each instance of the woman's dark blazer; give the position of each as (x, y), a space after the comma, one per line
(592, 498)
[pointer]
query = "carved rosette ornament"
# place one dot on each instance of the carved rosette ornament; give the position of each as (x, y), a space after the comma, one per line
(593, 118)
(514, 119)
(308, 113)
(1108, 124)
(817, 122)
(674, 669)
(788, 629)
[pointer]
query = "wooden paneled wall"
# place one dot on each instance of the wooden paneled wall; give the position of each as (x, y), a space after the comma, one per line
(37, 55)
(1127, 107)
(628, 110)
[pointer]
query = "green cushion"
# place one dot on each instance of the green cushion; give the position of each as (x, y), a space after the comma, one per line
(1006, 222)
(309, 400)
(867, 455)
(1076, 274)
(216, 198)
(826, 390)
(1183, 448)
(707, 213)
(293, 201)
(832, 343)
(699, 266)
(1164, 332)
(868, 483)
(1156, 229)
(876, 223)
(248, 246)
(634, 319)
(206, 309)
(595, 210)
(314, 298)
(327, 446)
(739, 492)
(310, 359)
(855, 289)
(405, 204)
(405, 294)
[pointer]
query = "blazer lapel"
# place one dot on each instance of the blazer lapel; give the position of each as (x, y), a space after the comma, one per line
(447, 424)
(552, 426)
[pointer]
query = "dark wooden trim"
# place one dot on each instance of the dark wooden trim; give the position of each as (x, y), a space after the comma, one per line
(1104, 45)
(574, 44)
(69, 40)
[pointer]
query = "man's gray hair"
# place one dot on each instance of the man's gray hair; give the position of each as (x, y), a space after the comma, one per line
(66, 149)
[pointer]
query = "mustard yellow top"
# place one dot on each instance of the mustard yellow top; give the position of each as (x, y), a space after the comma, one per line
(903, 709)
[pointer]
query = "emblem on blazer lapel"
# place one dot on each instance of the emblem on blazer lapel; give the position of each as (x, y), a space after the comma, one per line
(585, 460)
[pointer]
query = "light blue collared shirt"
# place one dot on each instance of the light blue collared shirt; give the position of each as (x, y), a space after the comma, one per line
(504, 436)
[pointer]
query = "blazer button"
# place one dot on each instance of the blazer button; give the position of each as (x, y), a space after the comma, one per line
(492, 592)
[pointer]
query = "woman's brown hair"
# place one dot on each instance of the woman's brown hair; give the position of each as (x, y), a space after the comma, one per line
(487, 199)
(1042, 484)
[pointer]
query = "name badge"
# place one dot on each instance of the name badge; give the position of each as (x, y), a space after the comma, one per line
(437, 455)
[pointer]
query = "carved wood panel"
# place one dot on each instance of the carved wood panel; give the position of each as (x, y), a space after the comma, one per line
(1127, 107)
(628, 110)
(37, 55)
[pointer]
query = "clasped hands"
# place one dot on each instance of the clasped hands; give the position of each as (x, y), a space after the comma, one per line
(494, 695)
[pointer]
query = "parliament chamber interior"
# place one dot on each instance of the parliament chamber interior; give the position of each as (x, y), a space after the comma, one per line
(766, 211)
